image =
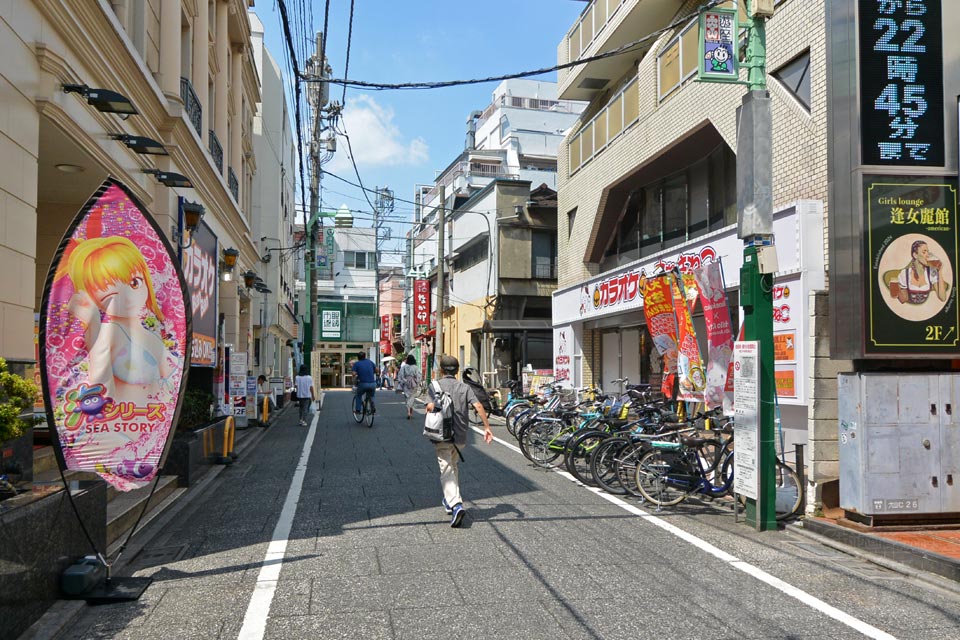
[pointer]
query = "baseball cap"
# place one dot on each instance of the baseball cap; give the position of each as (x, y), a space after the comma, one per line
(449, 364)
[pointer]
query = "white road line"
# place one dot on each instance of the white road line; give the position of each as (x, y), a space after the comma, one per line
(758, 573)
(255, 620)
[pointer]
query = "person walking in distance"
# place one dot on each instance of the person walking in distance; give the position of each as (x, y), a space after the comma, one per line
(305, 393)
(409, 380)
(448, 453)
(364, 379)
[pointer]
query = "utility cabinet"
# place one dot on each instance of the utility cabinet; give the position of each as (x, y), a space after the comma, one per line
(899, 445)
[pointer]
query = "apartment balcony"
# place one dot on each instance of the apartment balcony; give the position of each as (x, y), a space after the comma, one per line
(233, 184)
(468, 173)
(603, 26)
(191, 106)
(216, 151)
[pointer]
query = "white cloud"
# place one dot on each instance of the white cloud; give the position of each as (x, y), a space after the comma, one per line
(376, 140)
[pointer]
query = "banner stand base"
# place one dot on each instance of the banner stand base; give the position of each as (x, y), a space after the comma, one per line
(116, 590)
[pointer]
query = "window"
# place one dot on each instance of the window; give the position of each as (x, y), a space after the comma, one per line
(357, 260)
(795, 77)
(622, 111)
(472, 256)
(571, 218)
(543, 245)
(504, 127)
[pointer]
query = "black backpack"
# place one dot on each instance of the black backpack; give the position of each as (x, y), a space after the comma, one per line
(471, 377)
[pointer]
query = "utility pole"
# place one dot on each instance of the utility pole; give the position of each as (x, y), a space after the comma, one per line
(441, 221)
(755, 228)
(384, 204)
(318, 97)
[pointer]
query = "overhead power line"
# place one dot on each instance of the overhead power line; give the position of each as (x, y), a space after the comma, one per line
(285, 20)
(621, 50)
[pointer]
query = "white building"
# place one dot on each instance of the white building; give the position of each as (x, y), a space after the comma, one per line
(272, 217)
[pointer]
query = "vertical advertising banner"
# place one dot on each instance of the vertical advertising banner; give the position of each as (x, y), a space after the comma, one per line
(910, 262)
(716, 315)
(421, 307)
(200, 271)
(114, 324)
(662, 325)
(718, 46)
(689, 362)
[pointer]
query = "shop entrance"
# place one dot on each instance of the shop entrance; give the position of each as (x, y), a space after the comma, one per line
(626, 353)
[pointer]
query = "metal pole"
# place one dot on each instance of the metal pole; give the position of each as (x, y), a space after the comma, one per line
(441, 223)
(755, 228)
(376, 270)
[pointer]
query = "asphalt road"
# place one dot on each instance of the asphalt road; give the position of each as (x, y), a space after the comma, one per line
(362, 549)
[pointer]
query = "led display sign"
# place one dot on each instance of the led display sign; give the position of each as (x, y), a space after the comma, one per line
(901, 82)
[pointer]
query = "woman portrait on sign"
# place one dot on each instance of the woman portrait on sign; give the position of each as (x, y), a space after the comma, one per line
(114, 300)
(921, 276)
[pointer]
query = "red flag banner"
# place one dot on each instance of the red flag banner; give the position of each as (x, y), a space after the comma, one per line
(689, 362)
(716, 313)
(114, 328)
(662, 325)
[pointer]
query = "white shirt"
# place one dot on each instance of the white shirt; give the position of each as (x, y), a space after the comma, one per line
(303, 386)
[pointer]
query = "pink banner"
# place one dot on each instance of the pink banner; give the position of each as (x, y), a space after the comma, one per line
(662, 325)
(692, 378)
(113, 341)
(716, 313)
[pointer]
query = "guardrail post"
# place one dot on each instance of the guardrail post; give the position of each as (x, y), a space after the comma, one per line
(798, 461)
(229, 428)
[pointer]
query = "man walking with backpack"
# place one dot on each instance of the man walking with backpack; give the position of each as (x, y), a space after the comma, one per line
(461, 397)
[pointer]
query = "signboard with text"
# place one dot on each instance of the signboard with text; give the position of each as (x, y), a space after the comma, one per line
(901, 83)
(910, 266)
(421, 307)
(199, 262)
(746, 402)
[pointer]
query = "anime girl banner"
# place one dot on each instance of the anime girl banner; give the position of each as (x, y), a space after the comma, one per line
(692, 378)
(113, 341)
(662, 325)
(716, 314)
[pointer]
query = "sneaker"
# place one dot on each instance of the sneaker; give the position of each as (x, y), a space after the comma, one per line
(302, 423)
(457, 519)
(446, 507)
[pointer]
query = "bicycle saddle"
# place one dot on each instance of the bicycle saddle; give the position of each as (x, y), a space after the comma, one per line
(694, 442)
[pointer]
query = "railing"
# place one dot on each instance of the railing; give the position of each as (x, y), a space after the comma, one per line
(216, 151)
(234, 185)
(621, 112)
(465, 168)
(191, 104)
(592, 21)
(545, 270)
(535, 104)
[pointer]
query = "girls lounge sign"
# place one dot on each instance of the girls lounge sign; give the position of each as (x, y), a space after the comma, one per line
(911, 252)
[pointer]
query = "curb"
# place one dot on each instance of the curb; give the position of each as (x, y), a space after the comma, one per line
(63, 613)
(928, 566)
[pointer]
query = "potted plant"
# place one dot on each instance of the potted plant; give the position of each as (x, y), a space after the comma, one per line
(186, 452)
(16, 432)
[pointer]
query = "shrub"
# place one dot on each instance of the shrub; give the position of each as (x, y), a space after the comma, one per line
(16, 397)
(195, 410)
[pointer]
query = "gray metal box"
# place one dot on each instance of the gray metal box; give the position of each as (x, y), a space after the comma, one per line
(899, 443)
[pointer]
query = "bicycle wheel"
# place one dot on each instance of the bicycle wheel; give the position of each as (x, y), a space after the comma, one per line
(535, 442)
(602, 467)
(625, 466)
(357, 415)
(368, 412)
(654, 481)
(578, 453)
(511, 416)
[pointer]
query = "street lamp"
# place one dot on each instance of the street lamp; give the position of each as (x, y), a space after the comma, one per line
(141, 144)
(104, 100)
(229, 263)
(170, 179)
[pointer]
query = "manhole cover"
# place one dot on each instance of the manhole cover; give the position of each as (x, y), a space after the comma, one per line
(161, 555)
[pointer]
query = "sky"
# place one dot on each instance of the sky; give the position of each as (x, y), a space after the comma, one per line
(403, 138)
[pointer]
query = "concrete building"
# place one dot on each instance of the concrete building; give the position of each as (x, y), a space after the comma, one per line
(647, 182)
(510, 151)
(272, 218)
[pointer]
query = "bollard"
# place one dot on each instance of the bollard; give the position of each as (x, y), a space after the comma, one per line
(798, 461)
(265, 415)
(228, 430)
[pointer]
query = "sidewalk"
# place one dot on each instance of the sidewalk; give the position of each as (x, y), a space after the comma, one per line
(932, 549)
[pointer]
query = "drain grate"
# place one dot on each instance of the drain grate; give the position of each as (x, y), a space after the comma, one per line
(161, 555)
(819, 550)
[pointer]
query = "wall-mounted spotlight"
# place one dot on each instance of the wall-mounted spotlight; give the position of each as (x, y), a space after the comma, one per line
(170, 179)
(249, 279)
(104, 100)
(141, 144)
(229, 263)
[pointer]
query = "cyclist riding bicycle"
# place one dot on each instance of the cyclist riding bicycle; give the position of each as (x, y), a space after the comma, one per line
(365, 379)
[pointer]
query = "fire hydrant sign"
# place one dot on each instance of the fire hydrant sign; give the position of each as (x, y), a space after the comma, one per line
(746, 402)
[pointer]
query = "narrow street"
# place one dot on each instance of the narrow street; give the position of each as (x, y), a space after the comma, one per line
(370, 554)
